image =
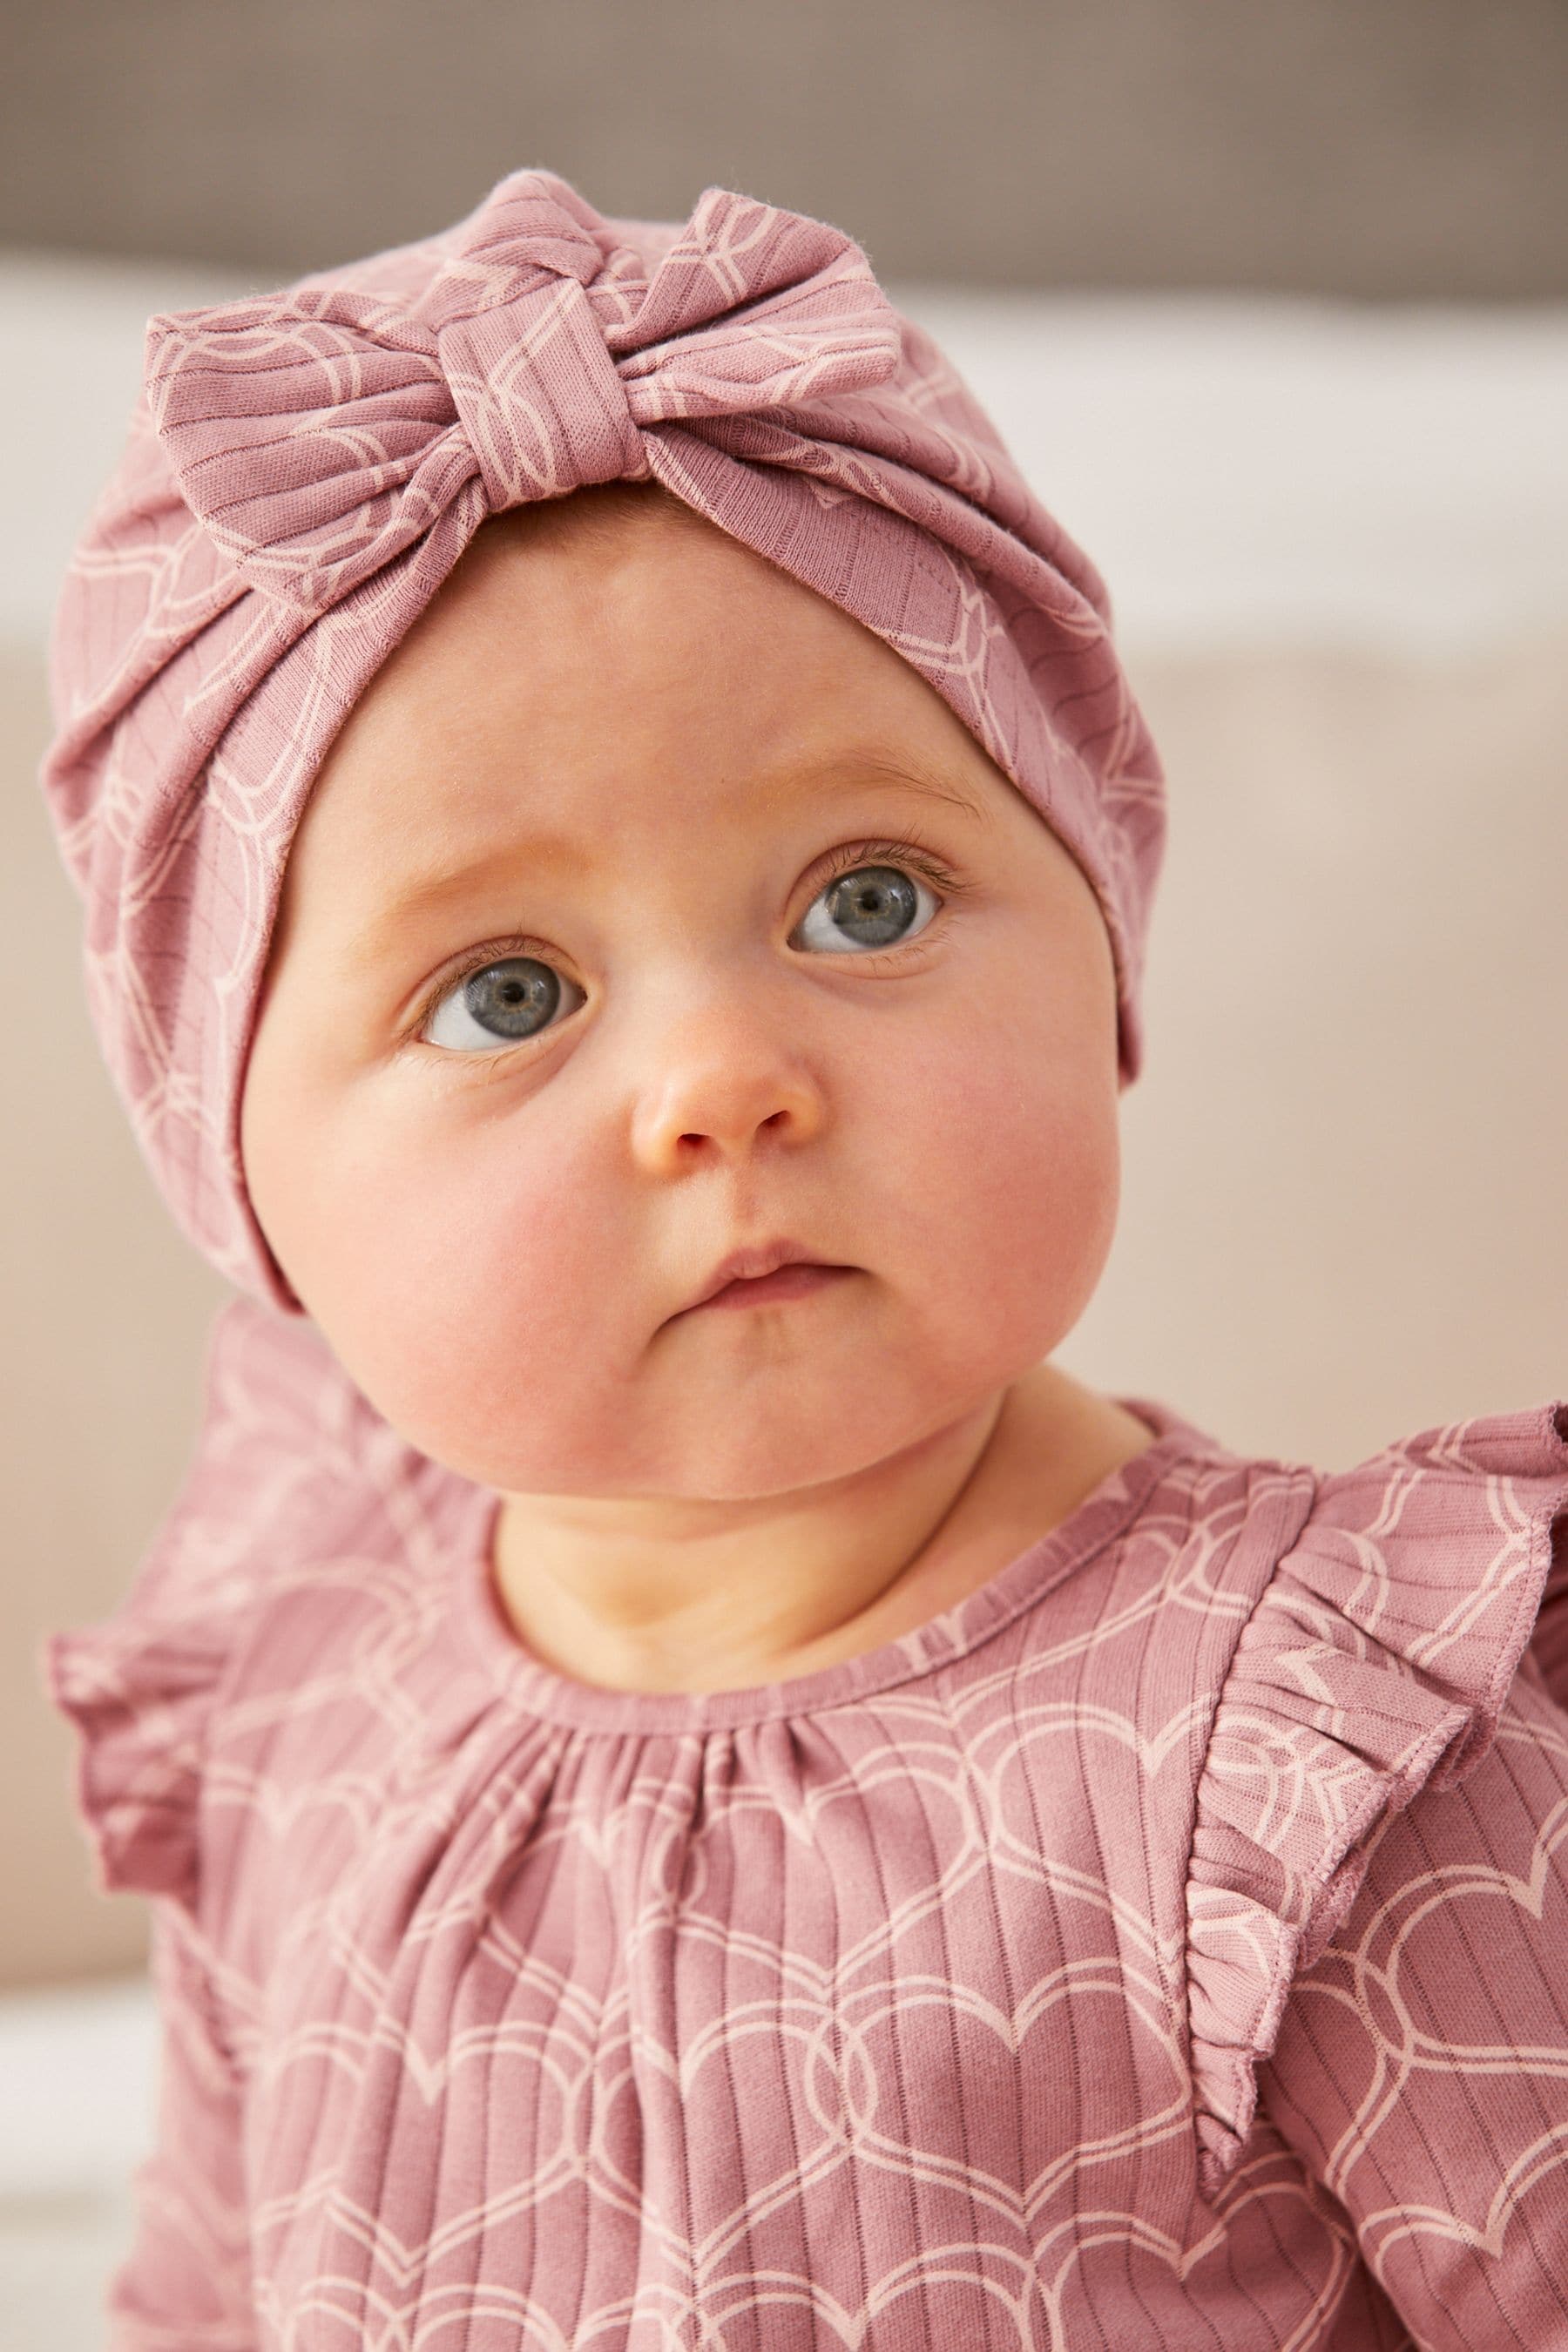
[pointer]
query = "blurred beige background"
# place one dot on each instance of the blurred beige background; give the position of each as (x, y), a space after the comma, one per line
(1151, 232)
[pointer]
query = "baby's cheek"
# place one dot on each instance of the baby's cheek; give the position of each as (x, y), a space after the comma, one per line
(1009, 1181)
(476, 1304)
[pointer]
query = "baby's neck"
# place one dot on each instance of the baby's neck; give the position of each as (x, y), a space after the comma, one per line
(766, 1603)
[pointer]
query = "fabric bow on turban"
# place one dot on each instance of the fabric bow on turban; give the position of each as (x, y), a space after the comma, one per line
(306, 468)
(318, 435)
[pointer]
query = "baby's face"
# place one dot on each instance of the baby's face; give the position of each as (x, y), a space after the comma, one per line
(648, 908)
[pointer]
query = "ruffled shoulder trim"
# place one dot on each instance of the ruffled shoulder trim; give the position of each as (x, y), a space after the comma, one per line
(1374, 1663)
(141, 1687)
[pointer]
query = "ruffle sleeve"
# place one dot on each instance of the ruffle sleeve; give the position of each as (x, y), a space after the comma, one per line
(1373, 1664)
(141, 1687)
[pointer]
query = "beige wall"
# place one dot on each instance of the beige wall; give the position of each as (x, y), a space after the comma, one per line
(1409, 147)
(1344, 1207)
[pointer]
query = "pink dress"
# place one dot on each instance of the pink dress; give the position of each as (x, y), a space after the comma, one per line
(1166, 1947)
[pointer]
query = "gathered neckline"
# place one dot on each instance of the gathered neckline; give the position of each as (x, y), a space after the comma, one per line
(529, 1683)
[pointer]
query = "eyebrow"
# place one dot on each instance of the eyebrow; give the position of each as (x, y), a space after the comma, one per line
(430, 891)
(882, 768)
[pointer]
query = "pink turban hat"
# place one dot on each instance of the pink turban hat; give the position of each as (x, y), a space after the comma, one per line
(305, 470)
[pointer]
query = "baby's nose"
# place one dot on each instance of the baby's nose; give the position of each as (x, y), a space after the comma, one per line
(718, 1084)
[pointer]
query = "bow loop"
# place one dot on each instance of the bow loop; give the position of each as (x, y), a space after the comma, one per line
(532, 231)
(312, 446)
(317, 434)
(754, 309)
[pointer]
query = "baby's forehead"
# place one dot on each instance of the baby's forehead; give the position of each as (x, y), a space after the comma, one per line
(621, 681)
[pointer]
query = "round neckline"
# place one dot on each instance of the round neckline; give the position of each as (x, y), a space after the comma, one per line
(528, 1683)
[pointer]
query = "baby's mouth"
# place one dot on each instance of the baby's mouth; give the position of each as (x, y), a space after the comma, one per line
(799, 1280)
(767, 1275)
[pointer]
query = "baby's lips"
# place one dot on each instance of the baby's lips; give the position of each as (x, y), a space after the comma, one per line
(750, 1264)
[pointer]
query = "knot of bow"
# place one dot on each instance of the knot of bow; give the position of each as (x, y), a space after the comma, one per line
(319, 433)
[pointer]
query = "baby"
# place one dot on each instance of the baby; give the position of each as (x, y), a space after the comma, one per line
(698, 1790)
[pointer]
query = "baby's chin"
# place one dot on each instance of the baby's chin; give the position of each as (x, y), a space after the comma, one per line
(775, 1436)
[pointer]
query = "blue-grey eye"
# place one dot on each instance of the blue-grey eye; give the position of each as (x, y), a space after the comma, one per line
(871, 907)
(502, 1002)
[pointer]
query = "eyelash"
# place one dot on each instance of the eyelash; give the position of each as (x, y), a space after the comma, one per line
(845, 860)
(892, 853)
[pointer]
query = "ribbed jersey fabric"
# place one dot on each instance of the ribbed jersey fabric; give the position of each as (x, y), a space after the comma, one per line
(1167, 1947)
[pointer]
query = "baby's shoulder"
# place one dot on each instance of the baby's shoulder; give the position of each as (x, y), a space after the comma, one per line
(1435, 1561)
(1438, 1555)
(1380, 1637)
(303, 1522)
